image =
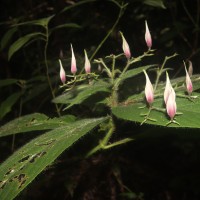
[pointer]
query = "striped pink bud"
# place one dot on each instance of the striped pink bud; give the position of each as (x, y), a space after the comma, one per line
(170, 98)
(125, 47)
(73, 62)
(149, 93)
(188, 81)
(171, 104)
(148, 36)
(62, 73)
(87, 64)
(168, 89)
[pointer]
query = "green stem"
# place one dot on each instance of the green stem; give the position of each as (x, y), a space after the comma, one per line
(123, 141)
(129, 62)
(121, 12)
(113, 69)
(103, 143)
(160, 71)
(117, 82)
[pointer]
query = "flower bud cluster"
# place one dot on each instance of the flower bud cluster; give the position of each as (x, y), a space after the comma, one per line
(87, 66)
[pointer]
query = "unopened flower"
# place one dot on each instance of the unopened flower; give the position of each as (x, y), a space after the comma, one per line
(148, 36)
(62, 73)
(168, 89)
(87, 64)
(149, 93)
(171, 105)
(188, 81)
(73, 62)
(125, 47)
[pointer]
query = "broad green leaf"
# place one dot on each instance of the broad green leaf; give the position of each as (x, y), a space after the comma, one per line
(40, 22)
(189, 118)
(21, 42)
(155, 3)
(24, 165)
(34, 122)
(84, 91)
(7, 37)
(6, 106)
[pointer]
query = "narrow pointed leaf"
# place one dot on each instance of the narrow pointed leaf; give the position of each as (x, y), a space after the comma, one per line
(155, 3)
(21, 42)
(34, 122)
(7, 37)
(67, 25)
(6, 105)
(40, 22)
(24, 165)
(85, 92)
(134, 72)
(76, 4)
(9, 81)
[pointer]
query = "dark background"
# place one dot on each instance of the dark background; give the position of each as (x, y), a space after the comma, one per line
(161, 164)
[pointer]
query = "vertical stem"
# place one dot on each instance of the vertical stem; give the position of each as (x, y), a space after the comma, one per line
(47, 69)
(106, 139)
(160, 71)
(103, 143)
(113, 69)
(122, 8)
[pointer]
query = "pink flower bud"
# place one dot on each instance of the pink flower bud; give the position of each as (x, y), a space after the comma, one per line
(62, 73)
(188, 81)
(125, 47)
(168, 89)
(171, 104)
(148, 36)
(73, 62)
(149, 93)
(87, 64)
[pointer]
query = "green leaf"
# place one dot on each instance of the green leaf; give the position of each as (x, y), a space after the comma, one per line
(24, 165)
(7, 37)
(6, 106)
(155, 3)
(34, 122)
(40, 22)
(21, 42)
(68, 25)
(81, 93)
(9, 81)
(134, 72)
(76, 4)
(189, 118)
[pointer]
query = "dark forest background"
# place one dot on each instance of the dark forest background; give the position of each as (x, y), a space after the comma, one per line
(163, 165)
